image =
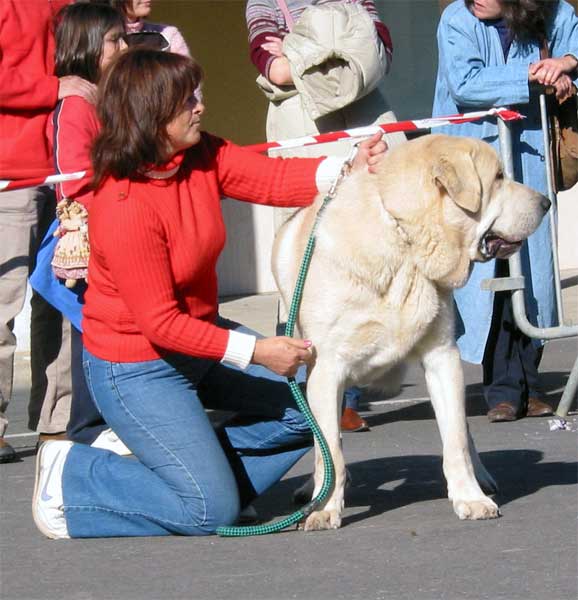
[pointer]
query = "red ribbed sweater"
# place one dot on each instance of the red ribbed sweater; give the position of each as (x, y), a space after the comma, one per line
(155, 244)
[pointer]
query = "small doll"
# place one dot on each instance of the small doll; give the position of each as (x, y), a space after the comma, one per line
(70, 259)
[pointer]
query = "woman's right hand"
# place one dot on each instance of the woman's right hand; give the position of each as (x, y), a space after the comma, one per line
(282, 355)
(548, 70)
(564, 88)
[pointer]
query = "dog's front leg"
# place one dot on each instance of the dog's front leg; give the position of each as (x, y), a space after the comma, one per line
(445, 382)
(324, 394)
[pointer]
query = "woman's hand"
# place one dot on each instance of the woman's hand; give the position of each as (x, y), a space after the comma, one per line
(549, 70)
(72, 85)
(273, 45)
(282, 355)
(370, 152)
(564, 88)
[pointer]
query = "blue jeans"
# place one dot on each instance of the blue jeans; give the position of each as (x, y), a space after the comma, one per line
(188, 478)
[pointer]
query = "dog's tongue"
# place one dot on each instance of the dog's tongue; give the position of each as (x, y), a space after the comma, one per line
(500, 248)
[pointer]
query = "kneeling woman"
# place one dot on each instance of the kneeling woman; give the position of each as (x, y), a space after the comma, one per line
(156, 353)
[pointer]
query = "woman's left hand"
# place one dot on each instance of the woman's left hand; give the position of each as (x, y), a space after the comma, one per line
(370, 152)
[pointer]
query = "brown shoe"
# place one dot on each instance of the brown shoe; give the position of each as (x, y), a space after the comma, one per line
(538, 408)
(502, 412)
(7, 453)
(351, 421)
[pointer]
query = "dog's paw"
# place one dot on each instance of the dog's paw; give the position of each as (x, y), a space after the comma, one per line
(323, 519)
(476, 509)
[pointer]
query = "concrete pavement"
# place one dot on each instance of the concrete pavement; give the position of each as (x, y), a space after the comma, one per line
(400, 538)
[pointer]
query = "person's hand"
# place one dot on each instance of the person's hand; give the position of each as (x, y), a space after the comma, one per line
(549, 70)
(370, 152)
(282, 355)
(273, 45)
(71, 85)
(564, 88)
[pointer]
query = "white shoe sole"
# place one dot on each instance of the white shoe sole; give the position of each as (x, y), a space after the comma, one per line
(35, 500)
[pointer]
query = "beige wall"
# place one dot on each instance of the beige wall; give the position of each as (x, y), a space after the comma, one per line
(217, 36)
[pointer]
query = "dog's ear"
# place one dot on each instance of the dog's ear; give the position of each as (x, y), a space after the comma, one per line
(459, 177)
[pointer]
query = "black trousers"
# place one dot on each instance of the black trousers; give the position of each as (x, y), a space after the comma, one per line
(511, 360)
(86, 422)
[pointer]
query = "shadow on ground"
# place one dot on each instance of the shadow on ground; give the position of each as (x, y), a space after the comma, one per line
(385, 484)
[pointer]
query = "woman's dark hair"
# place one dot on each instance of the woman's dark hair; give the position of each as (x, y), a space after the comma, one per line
(527, 19)
(80, 31)
(140, 94)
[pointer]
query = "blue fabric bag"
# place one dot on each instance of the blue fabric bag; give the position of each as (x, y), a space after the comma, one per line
(43, 280)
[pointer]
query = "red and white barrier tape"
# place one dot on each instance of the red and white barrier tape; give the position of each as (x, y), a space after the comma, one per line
(358, 132)
(18, 184)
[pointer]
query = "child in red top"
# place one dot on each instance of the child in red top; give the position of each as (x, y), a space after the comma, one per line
(88, 36)
(156, 352)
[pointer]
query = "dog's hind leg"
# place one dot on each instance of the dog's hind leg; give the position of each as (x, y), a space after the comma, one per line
(445, 381)
(324, 394)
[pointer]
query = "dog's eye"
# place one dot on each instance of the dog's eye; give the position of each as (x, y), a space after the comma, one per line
(500, 175)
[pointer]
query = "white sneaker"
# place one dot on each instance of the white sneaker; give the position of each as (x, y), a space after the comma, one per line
(47, 502)
(108, 440)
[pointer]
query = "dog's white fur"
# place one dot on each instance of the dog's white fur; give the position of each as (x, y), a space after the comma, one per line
(390, 248)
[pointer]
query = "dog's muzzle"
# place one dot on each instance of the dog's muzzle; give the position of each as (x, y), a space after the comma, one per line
(493, 246)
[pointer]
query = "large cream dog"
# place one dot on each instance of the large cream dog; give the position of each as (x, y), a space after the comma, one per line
(390, 249)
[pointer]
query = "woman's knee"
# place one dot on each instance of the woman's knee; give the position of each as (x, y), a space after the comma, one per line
(220, 509)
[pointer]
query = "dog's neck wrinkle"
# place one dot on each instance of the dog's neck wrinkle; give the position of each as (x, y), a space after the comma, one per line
(439, 255)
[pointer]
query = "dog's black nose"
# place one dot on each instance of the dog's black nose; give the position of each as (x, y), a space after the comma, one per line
(545, 204)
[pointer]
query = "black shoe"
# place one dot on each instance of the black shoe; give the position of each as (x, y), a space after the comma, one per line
(7, 453)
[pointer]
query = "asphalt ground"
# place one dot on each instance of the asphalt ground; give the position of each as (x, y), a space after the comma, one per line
(400, 538)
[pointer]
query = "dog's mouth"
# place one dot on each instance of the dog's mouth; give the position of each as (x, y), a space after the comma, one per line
(494, 246)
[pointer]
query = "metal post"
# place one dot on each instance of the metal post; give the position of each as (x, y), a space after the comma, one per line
(553, 208)
(516, 281)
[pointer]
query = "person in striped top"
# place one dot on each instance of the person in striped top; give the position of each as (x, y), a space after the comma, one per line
(267, 25)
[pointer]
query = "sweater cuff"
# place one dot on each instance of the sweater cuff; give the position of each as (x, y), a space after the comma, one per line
(327, 171)
(240, 348)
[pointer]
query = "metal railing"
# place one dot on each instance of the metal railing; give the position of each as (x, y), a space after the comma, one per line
(516, 281)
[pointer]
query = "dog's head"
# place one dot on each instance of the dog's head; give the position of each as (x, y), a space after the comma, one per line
(454, 193)
(499, 212)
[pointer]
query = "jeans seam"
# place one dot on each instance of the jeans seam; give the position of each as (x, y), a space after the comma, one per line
(164, 449)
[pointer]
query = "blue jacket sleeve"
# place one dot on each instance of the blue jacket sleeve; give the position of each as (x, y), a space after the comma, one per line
(564, 34)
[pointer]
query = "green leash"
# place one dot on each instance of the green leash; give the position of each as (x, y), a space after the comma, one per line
(328, 470)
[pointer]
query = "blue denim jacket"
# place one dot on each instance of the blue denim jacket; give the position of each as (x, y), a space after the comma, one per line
(473, 75)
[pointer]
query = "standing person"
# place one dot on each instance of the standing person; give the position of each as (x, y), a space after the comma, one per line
(86, 424)
(28, 93)
(278, 30)
(141, 31)
(155, 351)
(88, 36)
(489, 55)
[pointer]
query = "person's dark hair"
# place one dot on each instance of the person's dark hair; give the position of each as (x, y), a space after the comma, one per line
(80, 31)
(527, 19)
(139, 95)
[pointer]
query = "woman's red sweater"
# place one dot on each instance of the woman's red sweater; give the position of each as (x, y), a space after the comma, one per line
(155, 244)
